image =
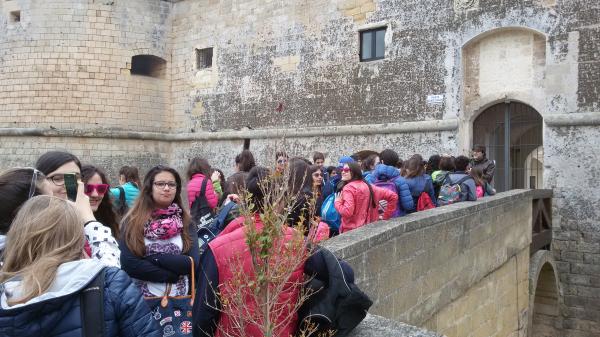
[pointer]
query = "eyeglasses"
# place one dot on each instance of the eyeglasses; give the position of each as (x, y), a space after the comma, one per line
(163, 184)
(282, 161)
(317, 174)
(33, 183)
(346, 169)
(59, 179)
(88, 189)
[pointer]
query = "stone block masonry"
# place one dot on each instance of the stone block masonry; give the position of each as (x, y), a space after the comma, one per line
(461, 270)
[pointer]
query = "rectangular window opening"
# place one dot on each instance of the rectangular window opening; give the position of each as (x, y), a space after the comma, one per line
(372, 44)
(204, 58)
(15, 16)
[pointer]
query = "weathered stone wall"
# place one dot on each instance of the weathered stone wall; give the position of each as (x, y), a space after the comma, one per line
(461, 270)
(573, 171)
(67, 64)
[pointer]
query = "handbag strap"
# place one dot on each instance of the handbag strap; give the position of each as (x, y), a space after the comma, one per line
(165, 298)
(92, 307)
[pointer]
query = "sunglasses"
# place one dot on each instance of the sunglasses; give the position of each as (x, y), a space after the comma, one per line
(88, 189)
(317, 175)
(346, 169)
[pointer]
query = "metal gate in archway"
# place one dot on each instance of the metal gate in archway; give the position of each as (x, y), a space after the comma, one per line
(512, 133)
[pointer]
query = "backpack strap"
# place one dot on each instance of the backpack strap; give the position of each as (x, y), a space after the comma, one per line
(122, 200)
(463, 179)
(92, 307)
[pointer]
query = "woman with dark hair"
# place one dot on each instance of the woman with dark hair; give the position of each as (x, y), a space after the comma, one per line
(299, 188)
(357, 201)
(18, 185)
(433, 164)
(368, 165)
(54, 165)
(198, 174)
(244, 162)
(157, 237)
(100, 244)
(96, 187)
(418, 182)
(317, 187)
(129, 181)
(446, 166)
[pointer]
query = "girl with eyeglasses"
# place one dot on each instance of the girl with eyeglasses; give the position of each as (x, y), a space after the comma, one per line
(100, 242)
(157, 236)
(18, 185)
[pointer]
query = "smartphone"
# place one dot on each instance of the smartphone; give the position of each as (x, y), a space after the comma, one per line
(71, 186)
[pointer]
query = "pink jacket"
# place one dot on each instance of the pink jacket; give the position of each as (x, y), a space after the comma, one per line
(195, 185)
(355, 207)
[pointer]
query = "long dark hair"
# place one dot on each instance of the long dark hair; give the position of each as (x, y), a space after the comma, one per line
(369, 163)
(51, 161)
(413, 167)
(15, 189)
(300, 180)
(131, 175)
(105, 212)
(245, 161)
(198, 165)
(355, 174)
(141, 213)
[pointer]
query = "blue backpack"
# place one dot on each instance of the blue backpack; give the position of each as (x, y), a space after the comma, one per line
(329, 214)
(207, 232)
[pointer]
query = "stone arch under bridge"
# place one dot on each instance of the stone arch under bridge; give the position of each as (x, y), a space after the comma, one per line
(544, 296)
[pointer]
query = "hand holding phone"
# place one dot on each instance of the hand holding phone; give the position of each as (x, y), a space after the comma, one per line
(82, 203)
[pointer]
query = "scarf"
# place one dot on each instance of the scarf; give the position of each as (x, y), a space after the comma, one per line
(165, 223)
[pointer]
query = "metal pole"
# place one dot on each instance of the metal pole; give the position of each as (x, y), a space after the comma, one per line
(507, 181)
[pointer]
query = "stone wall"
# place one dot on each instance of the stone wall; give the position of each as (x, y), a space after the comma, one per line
(67, 63)
(461, 270)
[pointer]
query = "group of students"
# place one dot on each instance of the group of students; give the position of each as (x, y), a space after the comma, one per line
(141, 239)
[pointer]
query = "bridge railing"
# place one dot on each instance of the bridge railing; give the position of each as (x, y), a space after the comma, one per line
(541, 221)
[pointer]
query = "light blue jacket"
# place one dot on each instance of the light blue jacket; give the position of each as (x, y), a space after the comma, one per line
(131, 193)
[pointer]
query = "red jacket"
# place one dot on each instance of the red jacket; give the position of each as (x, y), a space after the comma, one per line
(195, 185)
(355, 205)
(231, 245)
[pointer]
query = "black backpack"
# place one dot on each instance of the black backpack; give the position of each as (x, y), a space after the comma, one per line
(202, 213)
(123, 208)
(335, 304)
(208, 232)
(91, 302)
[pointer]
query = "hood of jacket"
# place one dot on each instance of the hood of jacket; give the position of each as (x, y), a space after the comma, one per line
(71, 277)
(385, 172)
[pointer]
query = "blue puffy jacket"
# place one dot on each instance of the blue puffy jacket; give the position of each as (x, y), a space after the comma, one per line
(57, 311)
(417, 186)
(386, 172)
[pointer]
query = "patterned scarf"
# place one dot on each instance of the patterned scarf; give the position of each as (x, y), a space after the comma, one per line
(165, 223)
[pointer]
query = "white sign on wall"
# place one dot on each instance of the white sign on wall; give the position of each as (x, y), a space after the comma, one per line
(435, 99)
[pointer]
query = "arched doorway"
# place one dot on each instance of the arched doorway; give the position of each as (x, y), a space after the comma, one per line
(512, 132)
(544, 297)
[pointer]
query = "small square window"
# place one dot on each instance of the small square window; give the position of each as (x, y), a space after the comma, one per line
(15, 16)
(204, 58)
(372, 44)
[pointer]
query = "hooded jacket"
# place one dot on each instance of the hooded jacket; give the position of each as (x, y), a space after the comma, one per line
(356, 208)
(385, 173)
(195, 185)
(57, 311)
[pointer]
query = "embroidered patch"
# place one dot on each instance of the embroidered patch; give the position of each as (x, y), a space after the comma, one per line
(177, 313)
(185, 327)
(168, 331)
(189, 314)
(166, 320)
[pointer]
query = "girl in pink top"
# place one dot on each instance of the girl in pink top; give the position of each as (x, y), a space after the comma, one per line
(198, 171)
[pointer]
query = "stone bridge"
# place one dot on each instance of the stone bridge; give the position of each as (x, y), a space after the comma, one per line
(466, 270)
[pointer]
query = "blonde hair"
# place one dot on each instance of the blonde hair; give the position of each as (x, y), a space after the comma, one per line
(46, 232)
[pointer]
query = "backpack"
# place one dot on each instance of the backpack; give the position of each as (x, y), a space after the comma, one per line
(210, 231)
(329, 214)
(451, 192)
(424, 201)
(390, 185)
(202, 213)
(91, 300)
(334, 304)
(123, 208)
(479, 191)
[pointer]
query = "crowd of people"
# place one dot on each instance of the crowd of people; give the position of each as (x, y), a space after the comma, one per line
(140, 237)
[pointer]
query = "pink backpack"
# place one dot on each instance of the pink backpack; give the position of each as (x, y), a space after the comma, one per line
(479, 191)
